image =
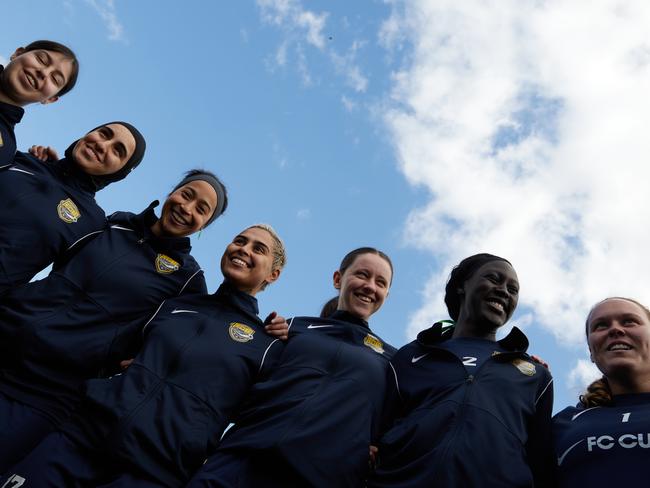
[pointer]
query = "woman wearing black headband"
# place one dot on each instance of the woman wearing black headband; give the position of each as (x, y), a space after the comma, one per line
(48, 207)
(469, 410)
(83, 319)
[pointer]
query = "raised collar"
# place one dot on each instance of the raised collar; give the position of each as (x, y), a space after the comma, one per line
(142, 223)
(345, 316)
(515, 341)
(227, 293)
(11, 114)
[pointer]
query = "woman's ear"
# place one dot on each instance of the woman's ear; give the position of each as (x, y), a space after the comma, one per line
(17, 52)
(336, 278)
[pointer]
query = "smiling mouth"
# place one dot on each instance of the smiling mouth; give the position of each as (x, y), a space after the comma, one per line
(31, 80)
(177, 218)
(364, 298)
(497, 305)
(619, 346)
(240, 263)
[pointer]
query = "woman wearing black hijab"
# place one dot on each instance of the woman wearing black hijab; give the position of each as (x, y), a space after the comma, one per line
(469, 410)
(49, 206)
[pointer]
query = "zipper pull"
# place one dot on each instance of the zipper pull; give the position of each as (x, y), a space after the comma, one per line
(470, 378)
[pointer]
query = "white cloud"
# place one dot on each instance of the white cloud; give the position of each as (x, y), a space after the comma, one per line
(303, 27)
(528, 126)
(3, 61)
(303, 214)
(581, 376)
(106, 10)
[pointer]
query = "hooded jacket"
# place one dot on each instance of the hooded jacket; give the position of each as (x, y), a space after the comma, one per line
(487, 429)
(81, 320)
(47, 208)
(166, 413)
(319, 411)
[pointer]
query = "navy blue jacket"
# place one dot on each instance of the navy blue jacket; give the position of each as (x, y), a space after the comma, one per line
(82, 319)
(604, 446)
(167, 412)
(47, 208)
(488, 429)
(10, 115)
(320, 409)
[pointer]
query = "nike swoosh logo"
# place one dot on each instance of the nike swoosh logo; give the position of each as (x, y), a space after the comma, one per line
(580, 413)
(180, 310)
(415, 359)
(312, 326)
(561, 458)
(14, 168)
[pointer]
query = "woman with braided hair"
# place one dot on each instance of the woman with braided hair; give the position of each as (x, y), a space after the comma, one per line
(610, 427)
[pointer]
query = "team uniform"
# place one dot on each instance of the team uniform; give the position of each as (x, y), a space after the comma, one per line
(10, 115)
(311, 423)
(159, 420)
(81, 320)
(469, 412)
(602, 446)
(48, 207)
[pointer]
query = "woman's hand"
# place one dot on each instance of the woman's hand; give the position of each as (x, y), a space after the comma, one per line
(372, 456)
(277, 326)
(539, 360)
(126, 363)
(44, 153)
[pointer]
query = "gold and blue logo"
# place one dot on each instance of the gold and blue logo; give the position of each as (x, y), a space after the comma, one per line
(373, 343)
(165, 264)
(68, 211)
(240, 332)
(524, 367)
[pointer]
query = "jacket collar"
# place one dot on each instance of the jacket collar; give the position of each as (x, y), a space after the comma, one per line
(228, 294)
(515, 341)
(142, 223)
(345, 316)
(11, 114)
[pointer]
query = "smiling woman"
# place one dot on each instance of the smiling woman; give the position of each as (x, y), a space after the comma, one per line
(311, 423)
(460, 390)
(39, 72)
(52, 204)
(592, 442)
(85, 317)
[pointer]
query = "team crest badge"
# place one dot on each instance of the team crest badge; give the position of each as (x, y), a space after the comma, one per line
(68, 211)
(373, 343)
(165, 264)
(2, 143)
(525, 367)
(240, 332)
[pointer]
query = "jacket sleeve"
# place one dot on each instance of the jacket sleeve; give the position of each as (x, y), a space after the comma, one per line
(539, 447)
(392, 406)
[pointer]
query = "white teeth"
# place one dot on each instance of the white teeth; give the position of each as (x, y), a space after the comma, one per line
(617, 347)
(31, 80)
(177, 218)
(496, 305)
(239, 262)
(364, 298)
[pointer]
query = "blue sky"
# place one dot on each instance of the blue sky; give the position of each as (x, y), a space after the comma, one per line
(429, 129)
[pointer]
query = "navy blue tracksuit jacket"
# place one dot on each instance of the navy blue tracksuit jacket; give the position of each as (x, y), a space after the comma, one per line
(319, 411)
(82, 319)
(167, 412)
(47, 208)
(10, 115)
(487, 429)
(604, 446)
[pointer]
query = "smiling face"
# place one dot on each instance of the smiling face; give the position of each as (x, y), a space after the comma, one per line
(104, 151)
(35, 76)
(363, 285)
(490, 295)
(187, 209)
(247, 262)
(618, 333)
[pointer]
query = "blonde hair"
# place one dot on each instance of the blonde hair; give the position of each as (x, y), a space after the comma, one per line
(279, 251)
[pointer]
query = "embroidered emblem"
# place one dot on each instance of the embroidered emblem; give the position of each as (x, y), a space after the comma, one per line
(525, 367)
(373, 343)
(2, 143)
(165, 264)
(68, 211)
(240, 332)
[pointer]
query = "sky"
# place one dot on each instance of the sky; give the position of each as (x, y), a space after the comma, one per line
(430, 129)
